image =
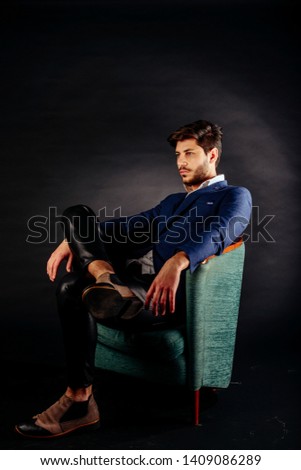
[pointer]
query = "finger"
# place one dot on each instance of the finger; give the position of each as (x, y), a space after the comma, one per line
(155, 307)
(49, 267)
(156, 302)
(153, 301)
(69, 263)
(172, 301)
(163, 300)
(54, 269)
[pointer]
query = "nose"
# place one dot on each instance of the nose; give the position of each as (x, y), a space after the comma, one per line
(181, 161)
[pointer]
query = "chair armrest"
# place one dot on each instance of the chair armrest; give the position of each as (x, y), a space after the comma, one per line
(213, 297)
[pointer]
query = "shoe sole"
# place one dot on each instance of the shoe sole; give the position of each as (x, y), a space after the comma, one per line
(83, 427)
(106, 302)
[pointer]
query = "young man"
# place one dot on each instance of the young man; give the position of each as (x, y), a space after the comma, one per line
(128, 273)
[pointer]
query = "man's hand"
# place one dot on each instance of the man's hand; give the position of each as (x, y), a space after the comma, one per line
(62, 252)
(162, 292)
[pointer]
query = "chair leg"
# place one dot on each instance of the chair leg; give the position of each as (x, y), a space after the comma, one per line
(197, 407)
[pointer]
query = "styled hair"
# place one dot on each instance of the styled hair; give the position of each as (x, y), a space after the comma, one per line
(207, 135)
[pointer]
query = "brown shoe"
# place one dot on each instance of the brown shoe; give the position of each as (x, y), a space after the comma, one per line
(64, 417)
(109, 298)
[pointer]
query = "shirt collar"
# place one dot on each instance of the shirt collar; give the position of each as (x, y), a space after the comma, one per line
(215, 179)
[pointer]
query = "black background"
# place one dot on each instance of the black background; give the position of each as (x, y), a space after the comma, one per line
(90, 92)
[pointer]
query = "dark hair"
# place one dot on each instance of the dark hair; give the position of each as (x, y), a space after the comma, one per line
(207, 135)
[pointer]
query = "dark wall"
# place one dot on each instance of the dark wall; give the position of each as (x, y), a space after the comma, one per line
(91, 90)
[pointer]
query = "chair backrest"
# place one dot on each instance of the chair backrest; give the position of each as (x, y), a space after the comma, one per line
(213, 298)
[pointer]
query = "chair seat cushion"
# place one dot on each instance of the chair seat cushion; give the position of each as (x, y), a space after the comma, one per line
(165, 345)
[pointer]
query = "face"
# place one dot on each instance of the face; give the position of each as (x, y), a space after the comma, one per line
(194, 165)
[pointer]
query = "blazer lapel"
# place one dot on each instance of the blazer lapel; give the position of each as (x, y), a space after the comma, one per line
(188, 201)
(191, 198)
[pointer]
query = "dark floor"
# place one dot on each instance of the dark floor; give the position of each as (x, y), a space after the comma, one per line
(258, 411)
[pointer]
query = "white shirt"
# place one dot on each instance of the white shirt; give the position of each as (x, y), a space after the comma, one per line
(215, 179)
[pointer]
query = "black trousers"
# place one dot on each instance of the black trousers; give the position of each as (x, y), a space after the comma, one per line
(78, 326)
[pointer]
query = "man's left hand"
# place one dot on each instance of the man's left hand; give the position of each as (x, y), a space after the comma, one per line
(162, 292)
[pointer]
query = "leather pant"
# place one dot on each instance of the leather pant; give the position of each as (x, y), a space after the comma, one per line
(78, 326)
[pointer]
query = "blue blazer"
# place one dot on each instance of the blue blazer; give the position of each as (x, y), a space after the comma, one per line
(202, 223)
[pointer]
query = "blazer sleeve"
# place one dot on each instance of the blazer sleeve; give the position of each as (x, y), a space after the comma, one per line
(220, 230)
(134, 229)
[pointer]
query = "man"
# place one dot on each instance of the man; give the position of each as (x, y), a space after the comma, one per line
(128, 273)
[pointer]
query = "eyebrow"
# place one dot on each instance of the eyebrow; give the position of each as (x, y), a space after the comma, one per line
(186, 150)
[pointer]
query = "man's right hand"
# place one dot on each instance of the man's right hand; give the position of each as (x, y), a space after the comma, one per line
(62, 252)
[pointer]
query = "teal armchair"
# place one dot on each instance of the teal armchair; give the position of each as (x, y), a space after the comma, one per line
(198, 354)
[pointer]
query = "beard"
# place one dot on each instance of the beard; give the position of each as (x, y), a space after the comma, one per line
(197, 177)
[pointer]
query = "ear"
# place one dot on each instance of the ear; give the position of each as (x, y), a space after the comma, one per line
(213, 155)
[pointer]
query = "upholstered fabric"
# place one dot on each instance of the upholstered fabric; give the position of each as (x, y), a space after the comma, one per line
(201, 354)
(213, 296)
(162, 345)
(153, 370)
